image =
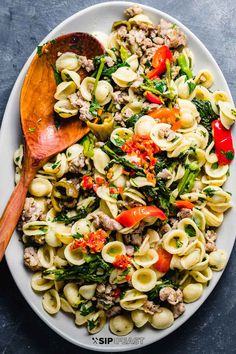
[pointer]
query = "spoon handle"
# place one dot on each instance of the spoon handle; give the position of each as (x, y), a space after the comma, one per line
(13, 210)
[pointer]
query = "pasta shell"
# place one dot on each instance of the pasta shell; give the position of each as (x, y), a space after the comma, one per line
(86, 88)
(133, 62)
(99, 318)
(65, 306)
(38, 283)
(133, 300)
(87, 291)
(144, 279)
(121, 325)
(65, 109)
(175, 241)
(144, 125)
(162, 319)
(46, 256)
(139, 317)
(75, 257)
(147, 259)
(103, 92)
(111, 250)
(64, 89)
(40, 187)
(67, 60)
(120, 135)
(123, 76)
(51, 301)
(100, 160)
(204, 78)
(69, 75)
(35, 228)
(71, 293)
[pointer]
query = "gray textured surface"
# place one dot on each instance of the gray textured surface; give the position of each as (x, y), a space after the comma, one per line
(23, 24)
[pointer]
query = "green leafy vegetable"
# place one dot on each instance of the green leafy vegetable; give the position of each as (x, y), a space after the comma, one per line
(86, 308)
(186, 183)
(62, 216)
(121, 160)
(95, 270)
(109, 71)
(158, 87)
(39, 50)
(206, 113)
(209, 191)
(184, 67)
(56, 75)
(88, 144)
(191, 86)
(189, 229)
(94, 106)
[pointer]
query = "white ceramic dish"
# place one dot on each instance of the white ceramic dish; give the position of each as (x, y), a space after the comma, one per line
(102, 16)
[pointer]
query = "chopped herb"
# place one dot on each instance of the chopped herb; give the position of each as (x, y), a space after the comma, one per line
(189, 229)
(209, 191)
(17, 158)
(229, 155)
(215, 165)
(86, 308)
(31, 130)
(125, 272)
(94, 106)
(92, 324)
(62, 216)
(56, 75)
(179, 243)
(191, 86)
(39, 50)
(148, 64)
(77, 235)
(56, 164)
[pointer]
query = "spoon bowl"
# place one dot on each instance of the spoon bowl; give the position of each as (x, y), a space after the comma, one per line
(43, 139)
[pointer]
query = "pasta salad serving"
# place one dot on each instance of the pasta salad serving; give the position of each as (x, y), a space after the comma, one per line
(122, 226)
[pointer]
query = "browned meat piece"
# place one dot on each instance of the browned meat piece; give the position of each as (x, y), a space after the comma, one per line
(133, 11)
(103, 220)
(31, 259)
(172, 35)
(184, 213)
(87, 64)
(32, 211)
(150, 307)
(178, 309)
(113, 311)
(171, 295)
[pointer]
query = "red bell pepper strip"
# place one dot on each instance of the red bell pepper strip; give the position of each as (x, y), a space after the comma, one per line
(132, 216)
(224, 148)
(184, 204)
(163, 263)
(151, 97)
(162, 54)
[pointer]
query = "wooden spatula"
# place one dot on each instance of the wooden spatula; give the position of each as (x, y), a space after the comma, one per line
(42, 138)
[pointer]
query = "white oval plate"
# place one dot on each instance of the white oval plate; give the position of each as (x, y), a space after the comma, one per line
(99, 18)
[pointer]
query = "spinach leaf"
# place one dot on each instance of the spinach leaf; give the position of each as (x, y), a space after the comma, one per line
(56, 75)
(206, 113)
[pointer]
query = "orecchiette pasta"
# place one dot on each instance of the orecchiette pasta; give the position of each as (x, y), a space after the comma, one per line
(122, 224)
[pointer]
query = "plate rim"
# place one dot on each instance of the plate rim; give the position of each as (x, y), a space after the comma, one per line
(217, 276)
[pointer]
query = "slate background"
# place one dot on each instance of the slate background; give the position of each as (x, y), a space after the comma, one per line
(23, 24)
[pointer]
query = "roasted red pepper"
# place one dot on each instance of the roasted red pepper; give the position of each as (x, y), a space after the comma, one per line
(151, 97)
(184, 204)
(132, 216)
(167, 115)
(224, 148)
(161, 55)
(122, 262)
(87, 182)
(163, 263)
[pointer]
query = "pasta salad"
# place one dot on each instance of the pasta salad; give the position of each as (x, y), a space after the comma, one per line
(122, 226)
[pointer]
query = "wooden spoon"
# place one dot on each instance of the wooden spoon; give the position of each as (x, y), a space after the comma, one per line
(42, 138)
